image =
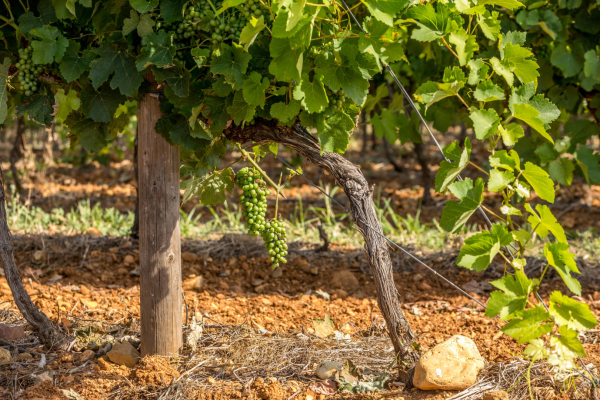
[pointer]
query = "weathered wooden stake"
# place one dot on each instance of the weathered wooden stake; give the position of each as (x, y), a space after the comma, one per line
(160, 247)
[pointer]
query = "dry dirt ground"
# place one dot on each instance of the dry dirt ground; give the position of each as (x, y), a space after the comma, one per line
(89, 286)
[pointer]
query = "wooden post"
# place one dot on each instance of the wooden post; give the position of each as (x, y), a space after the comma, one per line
(160, 247)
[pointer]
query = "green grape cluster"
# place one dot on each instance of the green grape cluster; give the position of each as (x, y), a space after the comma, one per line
(274, 236)
(337, 98)
(28, 72)
(253, 200)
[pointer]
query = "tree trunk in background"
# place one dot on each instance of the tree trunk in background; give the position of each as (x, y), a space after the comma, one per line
(135, 229)
(48, 334)
(17, 153)
(49, 145)
(160, 247)
(425, 173)
(390, 155)
(354, 184)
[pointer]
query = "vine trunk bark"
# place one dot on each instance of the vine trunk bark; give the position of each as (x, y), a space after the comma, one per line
(49, 335)
(354, 184)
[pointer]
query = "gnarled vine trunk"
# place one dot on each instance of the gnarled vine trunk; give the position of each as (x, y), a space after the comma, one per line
(48, 334)
(354, 184)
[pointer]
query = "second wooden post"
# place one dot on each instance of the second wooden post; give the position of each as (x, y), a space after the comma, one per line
(160, 247)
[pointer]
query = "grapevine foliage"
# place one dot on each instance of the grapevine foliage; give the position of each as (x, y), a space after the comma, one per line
(236, 62)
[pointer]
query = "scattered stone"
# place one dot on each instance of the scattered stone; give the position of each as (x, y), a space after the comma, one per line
(596, 296)
(257, 282)
(84, 290)
(93, 231)
(41, 378)
(223, 285)
(129, 259)
(5, 356)
(277, 273)
(236, 289)
(198, 282)
(266, 301)
(103, 365)
(452, 365)
(477, 287)
(325, 388)
(187, 256)
(417, 277)
(415, 311)
(314, 271)
(340, 293)
(135, 272)
(11, 333)
(124, 354)
(345, 279)
(261, 288)
(24, 357)
(496, 395)
(90, 304)
(38, 256)
(87, 355)
(424, 286)
(328, 369)
(122, 271)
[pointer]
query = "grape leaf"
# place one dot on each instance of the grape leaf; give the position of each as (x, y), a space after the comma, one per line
(455, 214)
(254, 89)
(39, 107)
(384, 10)
(177, 77)
(499, 180)
(100, 105)
(513, 296)
(66, 103)
(591, 66)
(571, 313)
(480, 249)
(126, 76)
(528, 114)
(143, 5)
(540, 181)
(525, 68)
(380, 42)
(536, 350)
(485, 122)
(448, 171)
(131, 23)
(465, 44)
(503, 69)
(51, 47)
(232, 62)
(312, 95)
(334, 131)
(285, 113)
(286, 64)
(172, 10)
(478, 72)
(511, 134)
(386, 125)
(344, 74)
(432, 24)
(73, 64)
(567, 345)
(545, 222)
(28, 21)
(568, 62)
(487, 91)
(561, 170)
(146, 25)
(157, 49)
(531, 326)
(588, 163)
(93, 136)
(211, 188)
(509, 4)
(192, 139)
(251, 31)
(559, 256)
(489, 25)
(503, 159)
(240, 110)
(4, 67)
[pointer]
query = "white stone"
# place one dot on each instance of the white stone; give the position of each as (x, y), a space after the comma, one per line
(328, 369)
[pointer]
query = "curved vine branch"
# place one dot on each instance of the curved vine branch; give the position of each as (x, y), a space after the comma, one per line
(354, 184)
(48, 334)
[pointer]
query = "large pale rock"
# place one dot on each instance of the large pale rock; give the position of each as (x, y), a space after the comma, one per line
(451, 365)
(124, 354)
(328, 369)
(8, 332)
